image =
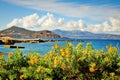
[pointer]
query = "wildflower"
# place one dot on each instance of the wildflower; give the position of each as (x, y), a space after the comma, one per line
(93, 65)
(67, 52)
(52, 47)
(56, 61)
(109, 50)
(47, 79)
(32, 61)
(112, 74)
(51, 53)
(61, 50)
(38, 69)
(21, 77)
(30, 67)
(56, 46)
(91, 70)
(78, 60)
(107, 59)
(63, 67)
(70, 44)
(63, 54)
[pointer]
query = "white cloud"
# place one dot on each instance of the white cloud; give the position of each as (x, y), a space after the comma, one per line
(112, 25)
(28, 21)
(49, 22)
(70, 9)
(33, 21)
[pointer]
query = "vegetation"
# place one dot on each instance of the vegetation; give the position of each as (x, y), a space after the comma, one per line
(62, 63)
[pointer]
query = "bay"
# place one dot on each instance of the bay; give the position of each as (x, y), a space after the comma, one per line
(43, 48)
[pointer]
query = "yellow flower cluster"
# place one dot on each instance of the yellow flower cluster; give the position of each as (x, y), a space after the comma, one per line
(51, 53)
(40, 69)
(33, 58)
(56, 61)
(92, 68)
(65, 52)
(111, 49)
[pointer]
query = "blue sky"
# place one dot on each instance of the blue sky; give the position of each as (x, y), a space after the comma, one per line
(97, 16)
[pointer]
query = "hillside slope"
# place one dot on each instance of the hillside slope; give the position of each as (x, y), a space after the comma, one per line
(17, 32)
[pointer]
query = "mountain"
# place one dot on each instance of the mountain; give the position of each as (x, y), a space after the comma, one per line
(17, 32)
(85, 35)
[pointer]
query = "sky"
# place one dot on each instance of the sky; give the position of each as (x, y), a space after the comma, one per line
(97, 16)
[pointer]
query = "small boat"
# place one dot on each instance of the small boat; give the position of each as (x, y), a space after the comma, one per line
(12, 46)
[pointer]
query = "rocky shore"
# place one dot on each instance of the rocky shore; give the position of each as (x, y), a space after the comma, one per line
(9, 41)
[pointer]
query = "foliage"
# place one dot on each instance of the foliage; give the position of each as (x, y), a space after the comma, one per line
(63, 63)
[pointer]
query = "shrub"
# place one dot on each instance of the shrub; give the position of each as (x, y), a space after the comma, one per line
(63, 63)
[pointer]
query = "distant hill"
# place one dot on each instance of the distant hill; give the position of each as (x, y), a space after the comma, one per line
(85, 35)
(17, 32)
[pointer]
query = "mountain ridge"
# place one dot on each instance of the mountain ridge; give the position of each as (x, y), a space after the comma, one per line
(17, 32)
(85, 34)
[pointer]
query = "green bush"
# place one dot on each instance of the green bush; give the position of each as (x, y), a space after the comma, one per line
(62, 63)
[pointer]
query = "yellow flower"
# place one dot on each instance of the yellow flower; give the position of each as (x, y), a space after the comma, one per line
(70, 44)
(67, 52)
(107, 59)
(63, 54)
(51, 53)
(63, 67)
(91, 69)
(78, 60)
(52, 47)
(61, 50)
(30, 67)
(56, 46)
(21, 77)
(47, 79)
(35, 60)
(56, 61)
(38, 69)
(112, 74)
(32, 61)
(93, 65)
(109, 50)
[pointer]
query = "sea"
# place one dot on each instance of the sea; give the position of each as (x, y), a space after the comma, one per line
(45, 47)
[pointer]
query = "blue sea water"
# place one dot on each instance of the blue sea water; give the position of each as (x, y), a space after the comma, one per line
(43, 48)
